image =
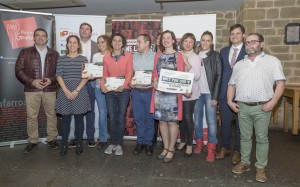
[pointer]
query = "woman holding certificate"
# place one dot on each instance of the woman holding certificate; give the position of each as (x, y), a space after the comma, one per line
(117, 73)
(104, 48)
(192, 65)
(210, 83)
(72, 97)
(167, 107)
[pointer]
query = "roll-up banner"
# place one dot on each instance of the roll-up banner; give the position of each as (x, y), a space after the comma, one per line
(67, 25)
(196, 24)
(16, 33)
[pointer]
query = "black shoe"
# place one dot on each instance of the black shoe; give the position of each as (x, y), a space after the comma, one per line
(149, 150)
(138, 149)
(91, 143)
(102, 145)
(79, 149)
(188, 154)
(179, 149)
(63, 151)
(53, 144)
(29, 147)
(72, 144)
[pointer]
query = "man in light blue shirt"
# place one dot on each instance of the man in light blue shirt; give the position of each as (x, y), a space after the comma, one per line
(141, 94)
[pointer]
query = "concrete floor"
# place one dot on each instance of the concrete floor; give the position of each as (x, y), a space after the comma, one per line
(44, 167)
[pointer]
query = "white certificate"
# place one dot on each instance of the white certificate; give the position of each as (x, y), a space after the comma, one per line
(95, 70)
(175, 81)
(112, 83)
(142, 77)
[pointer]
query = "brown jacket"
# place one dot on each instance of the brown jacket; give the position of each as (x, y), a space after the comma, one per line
(28, 68)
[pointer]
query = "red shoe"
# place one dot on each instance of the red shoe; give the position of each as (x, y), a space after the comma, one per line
(199, 145)
(211, 152)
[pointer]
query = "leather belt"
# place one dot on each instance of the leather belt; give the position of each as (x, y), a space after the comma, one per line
(255, 103)
(144, 90)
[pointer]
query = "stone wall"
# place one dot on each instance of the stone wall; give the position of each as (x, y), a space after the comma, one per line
(268, 17)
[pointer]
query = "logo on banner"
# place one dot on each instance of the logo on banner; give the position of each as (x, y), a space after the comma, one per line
(20, 31)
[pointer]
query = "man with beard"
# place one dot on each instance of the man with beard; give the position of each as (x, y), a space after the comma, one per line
(252, 83)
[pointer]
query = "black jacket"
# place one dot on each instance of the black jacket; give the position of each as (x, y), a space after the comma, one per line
(213, 69)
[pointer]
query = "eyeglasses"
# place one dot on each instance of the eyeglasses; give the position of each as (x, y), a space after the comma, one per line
(251, 42)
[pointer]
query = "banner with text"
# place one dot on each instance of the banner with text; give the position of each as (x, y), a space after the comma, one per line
(16, 33)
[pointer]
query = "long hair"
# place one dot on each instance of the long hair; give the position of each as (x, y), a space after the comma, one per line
(79, 50)
(106, 39)
(161, 47)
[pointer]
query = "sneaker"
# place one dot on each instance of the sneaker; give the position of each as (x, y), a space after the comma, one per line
(110, 149)
(53, 144)
(72, 144)
(29, 147)
(240, 168)
(119, 150)
(261, 175)
(91, 143)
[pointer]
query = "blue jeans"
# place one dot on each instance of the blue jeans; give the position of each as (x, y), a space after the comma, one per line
(117, 103)
(102, 122)
(211, 118)
(143, 118)
(90, 115)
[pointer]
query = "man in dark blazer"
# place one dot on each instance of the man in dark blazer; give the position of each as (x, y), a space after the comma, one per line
(229, 56)
(89, 48)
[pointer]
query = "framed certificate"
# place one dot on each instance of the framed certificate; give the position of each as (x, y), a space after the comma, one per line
(142, 77)
(175, 81)
(92, 69)
(112, 83)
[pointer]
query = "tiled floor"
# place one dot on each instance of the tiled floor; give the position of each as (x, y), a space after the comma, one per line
(46, 168)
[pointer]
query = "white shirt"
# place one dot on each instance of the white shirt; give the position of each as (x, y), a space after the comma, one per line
(86, 49)
(98, 57)
(204, 88)
(43, 54)
(239, 47)
(254, 80)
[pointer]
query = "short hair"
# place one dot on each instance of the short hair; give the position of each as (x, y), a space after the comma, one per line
(79, 50)
(40, 29)
(89, 25)
(235, 26)
(106, 39)
(260, 37)
(185, 36)
(161, 47)
(146, 38)
(124, 42)
(212, 39)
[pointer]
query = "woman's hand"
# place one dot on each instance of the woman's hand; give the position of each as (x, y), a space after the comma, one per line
(120, 89)
(104, 89)
(69, 94)
(213, 103)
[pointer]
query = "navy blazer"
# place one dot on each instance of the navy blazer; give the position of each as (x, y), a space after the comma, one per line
(227, 70)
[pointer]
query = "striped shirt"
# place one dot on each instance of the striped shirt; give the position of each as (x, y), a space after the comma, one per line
(70, 68)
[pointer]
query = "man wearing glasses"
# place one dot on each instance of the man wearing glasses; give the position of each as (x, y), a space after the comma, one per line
(252, 83)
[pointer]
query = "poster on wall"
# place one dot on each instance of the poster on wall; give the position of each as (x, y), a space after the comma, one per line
(196, 24)
(130, 29)
(67, 25)
(16, 33)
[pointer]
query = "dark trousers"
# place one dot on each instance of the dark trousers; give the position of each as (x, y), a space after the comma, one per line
(90, 115)
(227, 117)
(117, 103)
(186, 126)
(143, 118)
(65, 128)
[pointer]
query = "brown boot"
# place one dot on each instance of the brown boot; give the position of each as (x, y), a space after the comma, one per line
(211, 152)
(236, 158)
(261, 175)
(199, 145)
(222, 154)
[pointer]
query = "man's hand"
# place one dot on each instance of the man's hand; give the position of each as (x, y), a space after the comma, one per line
(235, 107)
(38, 83)
(213, 103)
(267, 107)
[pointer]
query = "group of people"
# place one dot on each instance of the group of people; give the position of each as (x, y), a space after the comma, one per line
(241, 78)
